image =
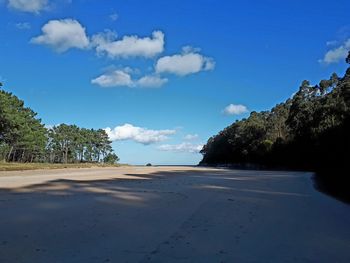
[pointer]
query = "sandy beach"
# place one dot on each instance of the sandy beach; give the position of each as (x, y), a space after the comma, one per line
(169, 214)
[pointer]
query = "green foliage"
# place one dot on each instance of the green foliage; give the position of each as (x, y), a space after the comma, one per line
(348, 58)
(111, 158)
(70, 144)
(23, 138)
(308, 131)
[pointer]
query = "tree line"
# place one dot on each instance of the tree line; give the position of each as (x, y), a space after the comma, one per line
(309, 131)
(23, 138)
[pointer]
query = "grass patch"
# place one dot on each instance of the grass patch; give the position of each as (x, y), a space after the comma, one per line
(12, 166)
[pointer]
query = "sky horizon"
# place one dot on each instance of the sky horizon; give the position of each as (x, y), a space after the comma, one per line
(163, 76)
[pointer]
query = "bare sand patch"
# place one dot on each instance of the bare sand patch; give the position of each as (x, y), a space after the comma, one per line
(168, 214)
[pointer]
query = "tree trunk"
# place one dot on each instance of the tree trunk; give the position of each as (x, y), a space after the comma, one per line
(66, 155)
(14, 156)
(9, 155)
(22, 157)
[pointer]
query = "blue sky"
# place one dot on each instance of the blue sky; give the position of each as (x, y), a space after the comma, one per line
(164, 76)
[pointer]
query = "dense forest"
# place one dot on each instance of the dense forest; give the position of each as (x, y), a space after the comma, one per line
(23, 138)
(309, 131)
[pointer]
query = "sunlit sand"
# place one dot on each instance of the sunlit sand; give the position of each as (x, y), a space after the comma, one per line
(169, 214)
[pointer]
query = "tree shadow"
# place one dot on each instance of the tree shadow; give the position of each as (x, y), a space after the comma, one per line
(333, 187)
(98, 220)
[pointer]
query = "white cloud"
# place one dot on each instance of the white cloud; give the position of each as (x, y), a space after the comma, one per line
(138, 134)
(182, 147)
(149, 81)
(23, 25)
(235, 109)
(190, 137)
(190, 49)
(113, 16)
(122, 77)
(31, 6)
(62, 35)
(114, 79)
(128, 46)
(336, 54)
(188, 62)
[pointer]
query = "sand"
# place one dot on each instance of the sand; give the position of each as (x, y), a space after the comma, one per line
(169, 214)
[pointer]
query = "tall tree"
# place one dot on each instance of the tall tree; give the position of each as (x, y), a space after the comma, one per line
(21, 133)
(23, 138)
(309, 131)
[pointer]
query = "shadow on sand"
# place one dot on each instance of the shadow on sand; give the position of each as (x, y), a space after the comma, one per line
(99, 221)
(325, 183)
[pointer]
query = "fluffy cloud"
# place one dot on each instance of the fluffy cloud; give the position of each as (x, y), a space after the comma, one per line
(138, 134)
(31, 6)
(150, 81)
(128, 46)
(182, 147)
(234, 109)
(189, 62)
(114, 79)
(122, 77)
(336, 54)
(190, 137)
(62, 35)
